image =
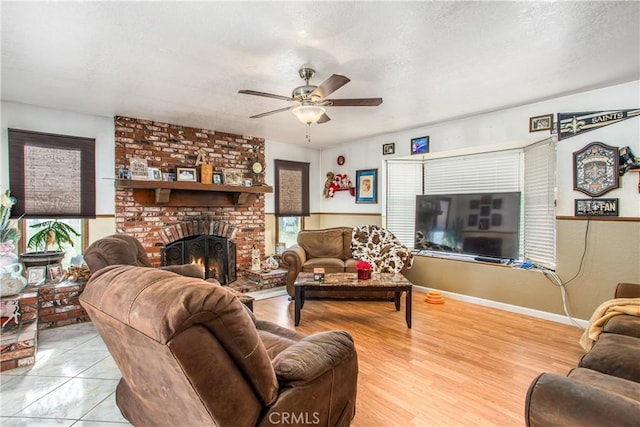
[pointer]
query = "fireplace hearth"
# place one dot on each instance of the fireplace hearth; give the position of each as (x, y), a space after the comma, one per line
(216, 254)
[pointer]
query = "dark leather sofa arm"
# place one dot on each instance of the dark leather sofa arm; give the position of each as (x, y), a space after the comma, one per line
(312, 356)
(554, 400)
(628, 290)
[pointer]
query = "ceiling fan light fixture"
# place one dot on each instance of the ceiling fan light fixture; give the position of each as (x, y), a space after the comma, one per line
(308, 114)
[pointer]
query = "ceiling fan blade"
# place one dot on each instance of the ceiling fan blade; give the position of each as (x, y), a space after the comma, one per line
(280, 110)
(330, 85)
(267, 95)
(323, 119)
(355, 102)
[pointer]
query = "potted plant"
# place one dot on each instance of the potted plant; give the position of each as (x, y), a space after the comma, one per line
(48, 243)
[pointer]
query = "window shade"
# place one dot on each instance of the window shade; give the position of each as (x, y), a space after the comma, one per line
(292, 188)
(52, 176)
(404, 181)
(539, 203)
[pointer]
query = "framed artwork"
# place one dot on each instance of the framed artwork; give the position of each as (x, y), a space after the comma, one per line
(389, 148)
(539, 123)
(55, 272)
(483, 224)
(138, 169)
(496, 220)
(496, 204)
(186, 174)
(218, 178)
(420, 145)
(291, 188)
(485, 210)
(36, 276)
(367, 186)
(474, 204)
(595, 169)
(472, 221)
(232, 177)
(154, 174)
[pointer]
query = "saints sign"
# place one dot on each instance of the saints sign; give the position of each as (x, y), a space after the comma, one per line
(595, 169)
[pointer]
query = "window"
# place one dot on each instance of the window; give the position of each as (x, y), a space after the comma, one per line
(52, 176)
(287, 231)
(71, 252)
(530, 171)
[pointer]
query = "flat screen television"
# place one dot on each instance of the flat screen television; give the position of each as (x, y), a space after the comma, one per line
(483, 225)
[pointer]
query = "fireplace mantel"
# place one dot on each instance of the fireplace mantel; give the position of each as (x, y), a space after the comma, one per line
(180, 193)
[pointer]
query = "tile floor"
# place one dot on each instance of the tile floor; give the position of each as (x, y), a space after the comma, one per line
(72, 383)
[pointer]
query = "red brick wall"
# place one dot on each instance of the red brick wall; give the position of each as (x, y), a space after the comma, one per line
(168, 146)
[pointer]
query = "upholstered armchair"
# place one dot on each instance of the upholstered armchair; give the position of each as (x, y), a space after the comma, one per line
(122, 249)
(191, 354)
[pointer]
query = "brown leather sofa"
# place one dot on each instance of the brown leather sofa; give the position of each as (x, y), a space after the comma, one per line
(191, 354)
(338, 249)
(127, 250)
(605, 387)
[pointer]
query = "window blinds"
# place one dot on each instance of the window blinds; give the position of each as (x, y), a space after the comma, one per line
(404, 181)
(539, 203)
(530, 171)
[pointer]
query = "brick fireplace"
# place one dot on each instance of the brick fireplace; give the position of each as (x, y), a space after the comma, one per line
(167, 146)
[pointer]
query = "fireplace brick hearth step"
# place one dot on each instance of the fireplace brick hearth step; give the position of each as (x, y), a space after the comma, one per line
(251, 281)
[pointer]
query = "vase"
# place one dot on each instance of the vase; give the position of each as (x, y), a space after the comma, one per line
(11, 280)
(364, 274)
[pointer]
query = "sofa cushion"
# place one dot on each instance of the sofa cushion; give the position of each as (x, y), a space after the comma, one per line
(322, 243)
(330, 265)
(623, 325)
(616, 355)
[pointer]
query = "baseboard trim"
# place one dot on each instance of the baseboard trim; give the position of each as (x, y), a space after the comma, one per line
(507, 307)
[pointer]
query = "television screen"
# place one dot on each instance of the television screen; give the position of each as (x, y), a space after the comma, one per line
(484, 225)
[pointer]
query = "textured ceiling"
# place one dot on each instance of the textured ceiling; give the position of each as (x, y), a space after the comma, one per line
(184, 62)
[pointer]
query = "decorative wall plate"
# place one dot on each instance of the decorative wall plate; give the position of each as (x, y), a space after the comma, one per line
(595, 169)
(340, 160)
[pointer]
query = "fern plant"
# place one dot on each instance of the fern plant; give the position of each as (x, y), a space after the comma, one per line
(52, 234)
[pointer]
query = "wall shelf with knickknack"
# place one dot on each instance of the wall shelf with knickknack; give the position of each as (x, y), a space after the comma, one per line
(176, 193)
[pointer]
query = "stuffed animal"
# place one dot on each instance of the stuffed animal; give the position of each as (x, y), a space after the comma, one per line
(329, 188)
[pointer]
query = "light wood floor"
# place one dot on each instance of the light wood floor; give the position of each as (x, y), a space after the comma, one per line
(460, 365)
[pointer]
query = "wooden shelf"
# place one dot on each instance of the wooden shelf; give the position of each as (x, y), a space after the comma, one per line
(180, 193)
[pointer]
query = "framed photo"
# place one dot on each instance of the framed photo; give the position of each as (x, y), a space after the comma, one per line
(233, 177)
(367, 186)
(138, 169)
(36, 276)
(472, 220)
(389, 148)
(55, 272)
(169, 176)
(420, 145)
(218, 178)
(187, 174)
(596, 169)
(538, 123)
(154, 174)
(496, 220)
(483, 224)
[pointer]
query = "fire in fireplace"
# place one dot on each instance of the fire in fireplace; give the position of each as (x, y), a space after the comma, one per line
(216, 254)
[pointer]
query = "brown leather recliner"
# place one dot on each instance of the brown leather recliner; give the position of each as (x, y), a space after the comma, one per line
(122, 249)
(191, 354)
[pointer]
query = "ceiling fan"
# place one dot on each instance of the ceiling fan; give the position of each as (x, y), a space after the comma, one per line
(312, 99)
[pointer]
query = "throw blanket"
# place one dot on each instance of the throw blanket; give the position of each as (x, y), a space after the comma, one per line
(604, 312)
(380, 248)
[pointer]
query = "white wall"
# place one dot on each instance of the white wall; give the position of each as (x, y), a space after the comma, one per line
(28, 117)
(503, 127)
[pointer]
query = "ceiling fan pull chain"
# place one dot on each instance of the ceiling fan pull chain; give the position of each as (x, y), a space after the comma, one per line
(308, 132)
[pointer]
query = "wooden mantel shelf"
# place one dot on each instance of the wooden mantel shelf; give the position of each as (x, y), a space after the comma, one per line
(180, 193)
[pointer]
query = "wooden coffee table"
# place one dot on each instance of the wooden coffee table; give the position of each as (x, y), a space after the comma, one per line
(391, 282)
